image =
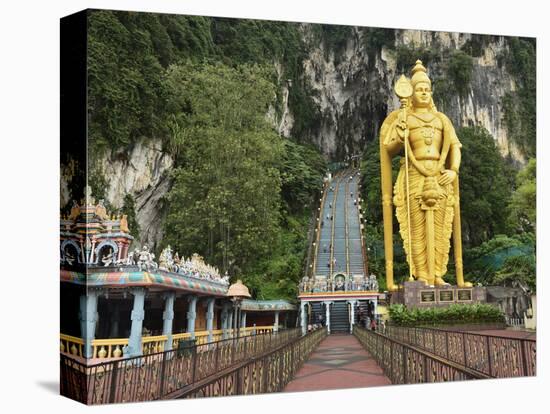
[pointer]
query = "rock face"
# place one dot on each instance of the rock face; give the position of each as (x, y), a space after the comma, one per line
(354, 89)
(142, 172)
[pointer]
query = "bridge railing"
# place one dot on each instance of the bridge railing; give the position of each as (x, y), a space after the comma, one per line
(154, 376)
(406, 364)
(496, 356)
(266, 373)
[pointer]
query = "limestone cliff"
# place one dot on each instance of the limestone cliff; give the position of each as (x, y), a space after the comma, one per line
(351, 87)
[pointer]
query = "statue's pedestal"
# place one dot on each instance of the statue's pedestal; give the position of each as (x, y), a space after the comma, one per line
(419, 295)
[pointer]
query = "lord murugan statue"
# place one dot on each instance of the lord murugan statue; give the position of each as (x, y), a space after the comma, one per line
(426, 192)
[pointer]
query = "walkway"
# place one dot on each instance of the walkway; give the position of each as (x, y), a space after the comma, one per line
(339, 362)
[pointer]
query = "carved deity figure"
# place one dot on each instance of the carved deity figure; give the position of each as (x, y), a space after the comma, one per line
(166, 262)
(146, 259)
(108, 259)
(425, 193)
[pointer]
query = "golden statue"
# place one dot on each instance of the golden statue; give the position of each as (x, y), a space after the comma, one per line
(425, 193)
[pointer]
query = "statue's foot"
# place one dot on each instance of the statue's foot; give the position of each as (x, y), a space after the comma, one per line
(421, 279)
(466, 284)
(393, 288)
(440, 282)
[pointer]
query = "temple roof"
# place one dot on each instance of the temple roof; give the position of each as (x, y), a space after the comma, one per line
(161, 279)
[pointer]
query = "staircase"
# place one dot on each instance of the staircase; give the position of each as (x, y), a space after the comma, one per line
(366, 309)
(339, 318)
(317, 310)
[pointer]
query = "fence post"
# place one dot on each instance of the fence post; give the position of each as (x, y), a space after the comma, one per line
(194, 356)
(114, 379)
(405, 371)
(522, 344)
(464, 348)
(487, 338)
(447, 344)
(162, 373)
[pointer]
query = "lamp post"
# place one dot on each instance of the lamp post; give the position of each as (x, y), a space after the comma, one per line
(237, 292)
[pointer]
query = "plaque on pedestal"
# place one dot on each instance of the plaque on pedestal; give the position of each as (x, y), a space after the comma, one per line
(427, 296)
(446, 295)
(464, 295)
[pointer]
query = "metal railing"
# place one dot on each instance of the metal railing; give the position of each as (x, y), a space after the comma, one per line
(154, 376)
(495, 356)
(113, 347)
(406, 364)
(270, 372)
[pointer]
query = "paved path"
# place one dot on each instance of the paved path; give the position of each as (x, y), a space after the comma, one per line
(339, 362)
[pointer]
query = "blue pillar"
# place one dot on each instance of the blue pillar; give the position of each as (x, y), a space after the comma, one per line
(276, 322)
(88, 319)
(230, 323)
(243, 319)
(327, 317)
(225, 320)
(210, 318)
(168, 318)
(192, 315)
(303, 317)
(137, 316)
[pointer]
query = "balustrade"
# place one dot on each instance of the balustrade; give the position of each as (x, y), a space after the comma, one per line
(159, 375)
(113, 348)
(491, 355)
(406, 364)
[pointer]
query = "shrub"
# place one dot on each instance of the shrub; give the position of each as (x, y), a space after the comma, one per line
(457, 313)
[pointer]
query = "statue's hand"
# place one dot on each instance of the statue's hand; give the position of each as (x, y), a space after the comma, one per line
(446, 177)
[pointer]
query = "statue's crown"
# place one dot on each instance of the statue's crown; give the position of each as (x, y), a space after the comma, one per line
(419, 74)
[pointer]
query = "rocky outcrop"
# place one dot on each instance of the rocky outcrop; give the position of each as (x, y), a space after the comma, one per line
(142, 172)
(354, 89)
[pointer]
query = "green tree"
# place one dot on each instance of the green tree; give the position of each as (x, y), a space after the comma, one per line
(484, 186)
(523, 203)
(518, 270)
(225, 199)
(460, 70)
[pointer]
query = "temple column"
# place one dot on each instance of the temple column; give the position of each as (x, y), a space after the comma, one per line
(243, 319)
(327, 315)
(230, 324)
(303, 317)
(137, 316)
(192, 315)
(276, 322)
(352, 314)
(225, 320)
(210, 318)
(168, 318)
(88, 319)
(119, 256)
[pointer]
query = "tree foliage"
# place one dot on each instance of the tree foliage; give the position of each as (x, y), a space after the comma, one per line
(225, 198)
(460, 70)
(485, 186)
(523, 203)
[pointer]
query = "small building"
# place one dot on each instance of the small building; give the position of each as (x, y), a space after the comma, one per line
(116, 303)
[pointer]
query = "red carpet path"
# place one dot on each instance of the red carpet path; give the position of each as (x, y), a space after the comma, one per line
(338, 362)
